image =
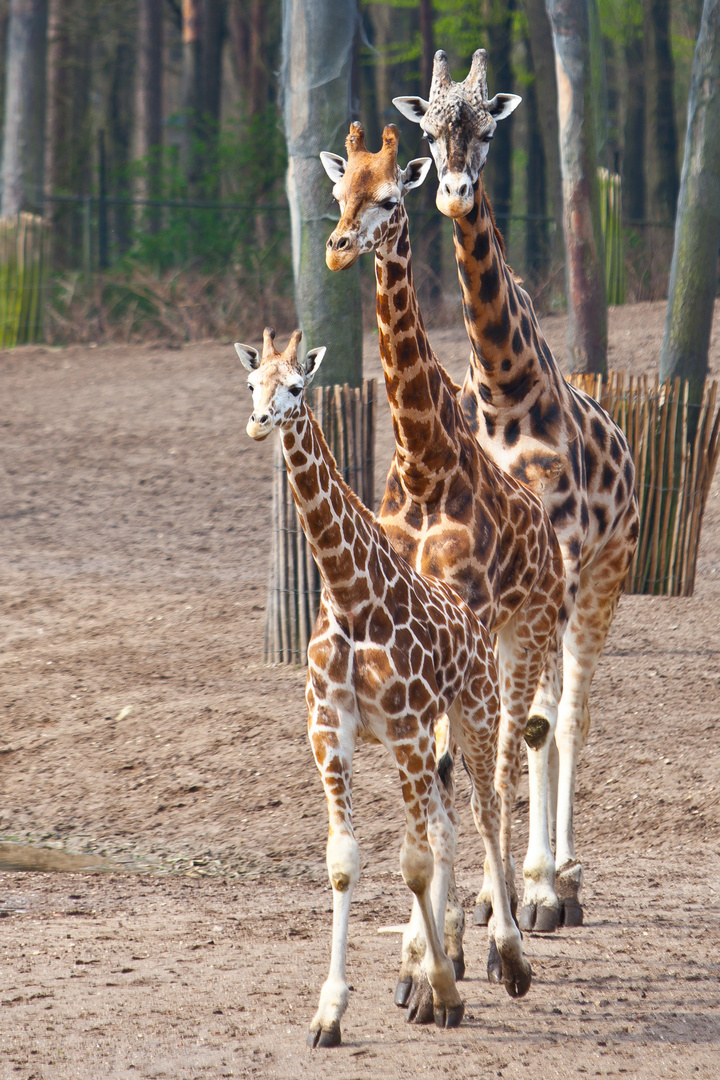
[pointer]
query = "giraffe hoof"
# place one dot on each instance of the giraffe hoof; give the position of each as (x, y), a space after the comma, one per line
(517, 982)
(449, 1017)
(420, 1005)
(482, 913)
(494, 965)
(539, 918)
(572, 912)
(325, 1036)
(402, 992)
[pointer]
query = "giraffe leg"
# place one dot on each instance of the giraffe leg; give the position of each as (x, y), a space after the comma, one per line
(540, 909)
(600, 587)
(333, 747)
(475, 724)
(522, 648)
(414, 938)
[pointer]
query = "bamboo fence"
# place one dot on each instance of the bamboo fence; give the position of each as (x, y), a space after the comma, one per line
(24, 253)
(610, 215)
(347, 417)
(676, 445)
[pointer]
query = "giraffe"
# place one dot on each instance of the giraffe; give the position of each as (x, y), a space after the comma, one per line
(450, 511)
(537, 428)
(390, 651)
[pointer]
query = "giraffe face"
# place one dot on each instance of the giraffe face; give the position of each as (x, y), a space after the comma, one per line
(277, 382)
(369, 188)
(459, 122)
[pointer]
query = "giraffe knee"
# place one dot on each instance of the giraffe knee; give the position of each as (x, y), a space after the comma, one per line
(536, 731)
(343, 861)
(416, 865)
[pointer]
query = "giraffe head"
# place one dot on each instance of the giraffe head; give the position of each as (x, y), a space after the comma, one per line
(458, 121)
(277, 381)
(369, 188)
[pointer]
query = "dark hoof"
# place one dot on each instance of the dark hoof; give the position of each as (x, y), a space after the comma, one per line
(325, 1036)
(539, 919)
(420, 1006)
(459, 966)
(482, 913)
(449, 1018)
(402, 992)
(518, 982)
(494, 965)
(572, 912)
(526, 918)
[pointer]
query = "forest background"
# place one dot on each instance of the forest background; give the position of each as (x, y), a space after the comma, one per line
(165, 156)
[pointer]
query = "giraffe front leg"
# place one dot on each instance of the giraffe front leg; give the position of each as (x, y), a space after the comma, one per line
(333, 749)
(540, 909)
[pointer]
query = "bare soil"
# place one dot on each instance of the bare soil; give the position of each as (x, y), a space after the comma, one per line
(141, 726)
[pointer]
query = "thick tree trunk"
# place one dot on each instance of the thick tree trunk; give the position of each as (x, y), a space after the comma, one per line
(543, 60)
(536, 243)
(661, 170)
(694, 273)
(633, 179)
(498, 171)
(148, 101)
(23, 149)
(585, 270)
(318, 38)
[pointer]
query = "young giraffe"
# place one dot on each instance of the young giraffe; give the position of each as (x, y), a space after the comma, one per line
(536, 427)
(448, 509)
(390, 651)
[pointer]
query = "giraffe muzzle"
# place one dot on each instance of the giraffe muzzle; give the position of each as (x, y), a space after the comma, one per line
(259, 428)
(341, 251)
(455, 197)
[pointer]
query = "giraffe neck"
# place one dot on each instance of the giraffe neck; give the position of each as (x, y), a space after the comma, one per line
(421, 394)
(341, 532)
(511, 361)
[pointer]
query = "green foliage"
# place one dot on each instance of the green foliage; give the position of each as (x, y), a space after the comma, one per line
(231, 171)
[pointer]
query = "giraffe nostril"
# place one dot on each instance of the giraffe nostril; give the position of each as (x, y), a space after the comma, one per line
(330, 243)
(342, 242)
(463, 190)
(263, 419)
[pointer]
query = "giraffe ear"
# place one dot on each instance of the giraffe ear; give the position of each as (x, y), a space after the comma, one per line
(334, 166)
(412, 108)
(313, 360)
(249, 357)
(414, 173)
(502, 105)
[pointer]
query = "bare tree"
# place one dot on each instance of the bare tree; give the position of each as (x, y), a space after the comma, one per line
(318, 40)
(694, 273)
(23, 148)
(149, 98)
(585, 269)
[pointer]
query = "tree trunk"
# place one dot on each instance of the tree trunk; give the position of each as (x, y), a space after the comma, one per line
(120, 124)
(543, 60)
(498, 171)
(694, 273)
(318, 38)
(661, 171)
(148, 103)
(428, 244)
(585, 272)
(191, 92)
(633, 180)
(536, 242)
(23, 150)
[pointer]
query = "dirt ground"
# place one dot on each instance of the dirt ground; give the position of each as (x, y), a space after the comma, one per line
(140, 725)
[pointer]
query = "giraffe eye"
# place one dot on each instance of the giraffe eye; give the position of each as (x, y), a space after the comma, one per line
(250, 386)
(486, 138)
(389, 204)
(430, 138)
(296, 391)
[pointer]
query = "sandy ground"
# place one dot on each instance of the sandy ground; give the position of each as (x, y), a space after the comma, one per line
(140, 725)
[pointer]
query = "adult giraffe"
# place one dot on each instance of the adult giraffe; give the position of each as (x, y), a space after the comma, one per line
(536, 427)
(448, 509)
